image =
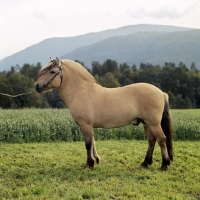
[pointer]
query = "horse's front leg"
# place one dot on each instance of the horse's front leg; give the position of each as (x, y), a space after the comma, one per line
(92, 155)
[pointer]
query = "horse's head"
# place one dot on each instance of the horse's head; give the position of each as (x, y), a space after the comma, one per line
(50, 76)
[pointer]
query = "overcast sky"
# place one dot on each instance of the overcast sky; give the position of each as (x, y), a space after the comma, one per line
(27, 22)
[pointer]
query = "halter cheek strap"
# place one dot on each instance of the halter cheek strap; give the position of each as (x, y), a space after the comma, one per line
(61, 76)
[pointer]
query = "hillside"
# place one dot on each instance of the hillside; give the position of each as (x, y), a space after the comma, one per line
(67, 45)
(146, 47)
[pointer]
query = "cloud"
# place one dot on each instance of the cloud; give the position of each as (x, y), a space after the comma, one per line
(38, 14)
(161, 12)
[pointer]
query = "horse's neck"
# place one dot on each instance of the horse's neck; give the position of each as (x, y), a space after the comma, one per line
(74, 85)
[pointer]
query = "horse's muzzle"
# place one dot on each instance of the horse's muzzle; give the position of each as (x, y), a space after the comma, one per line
(39, 87)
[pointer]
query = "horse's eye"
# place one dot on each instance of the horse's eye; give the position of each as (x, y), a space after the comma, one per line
(52, 72)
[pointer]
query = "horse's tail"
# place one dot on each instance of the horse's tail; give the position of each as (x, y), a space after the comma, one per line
(167, 126)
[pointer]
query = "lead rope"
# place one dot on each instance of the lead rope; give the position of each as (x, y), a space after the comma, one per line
(8, 95)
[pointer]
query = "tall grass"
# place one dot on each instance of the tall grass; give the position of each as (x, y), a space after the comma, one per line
(186, 124)
(46, 125)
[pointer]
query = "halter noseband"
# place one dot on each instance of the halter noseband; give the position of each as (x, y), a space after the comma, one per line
(59, 72)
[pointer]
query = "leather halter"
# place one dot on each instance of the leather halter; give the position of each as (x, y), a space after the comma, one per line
(54, 64)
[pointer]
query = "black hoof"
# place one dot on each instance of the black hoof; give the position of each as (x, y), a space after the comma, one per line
(165, 164)
(145, 165)
(85, 166)
(164, 168)
(88, 166)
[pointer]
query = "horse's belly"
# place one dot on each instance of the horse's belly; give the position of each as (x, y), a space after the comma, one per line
(112, 124)
(115, 120)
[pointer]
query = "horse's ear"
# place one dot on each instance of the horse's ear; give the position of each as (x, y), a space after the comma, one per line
(51, 59)
(58, 61)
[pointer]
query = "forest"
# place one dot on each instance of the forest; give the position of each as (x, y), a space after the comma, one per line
(181, 82)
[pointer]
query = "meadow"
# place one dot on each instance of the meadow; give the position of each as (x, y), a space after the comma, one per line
(42, 155)
(48, 125)
(55, 171)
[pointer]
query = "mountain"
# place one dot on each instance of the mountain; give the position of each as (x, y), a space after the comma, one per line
(146, 47)
(62, 46)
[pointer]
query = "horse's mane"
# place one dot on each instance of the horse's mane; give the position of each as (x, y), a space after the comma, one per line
(47, 67)
(78, 69)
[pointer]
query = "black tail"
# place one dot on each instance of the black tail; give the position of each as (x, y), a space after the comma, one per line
(167, 127)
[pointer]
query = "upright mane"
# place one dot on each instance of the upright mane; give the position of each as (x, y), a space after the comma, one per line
(79, 70)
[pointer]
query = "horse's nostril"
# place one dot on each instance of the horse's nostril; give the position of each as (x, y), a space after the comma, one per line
(36, 85)
(38, 88)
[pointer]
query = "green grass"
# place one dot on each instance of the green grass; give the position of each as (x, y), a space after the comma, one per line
(186, 124)
(54, 171)
(47, 125)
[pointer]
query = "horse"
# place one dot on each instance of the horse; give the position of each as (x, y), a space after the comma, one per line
(93, 106)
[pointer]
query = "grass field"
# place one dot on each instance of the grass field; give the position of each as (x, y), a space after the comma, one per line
(32, 169)
(54, 171)
(47, 125)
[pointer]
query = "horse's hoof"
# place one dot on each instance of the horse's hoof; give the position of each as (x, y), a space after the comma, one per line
(145, 165)
(165, 164)
(88, 166)
(164, 168)
(85, 166)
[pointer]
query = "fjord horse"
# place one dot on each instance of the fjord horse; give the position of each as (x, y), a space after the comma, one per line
(92, 105)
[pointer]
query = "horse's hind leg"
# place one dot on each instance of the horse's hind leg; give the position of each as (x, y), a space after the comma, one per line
(151, 143)
(161, 139)
(92, 155)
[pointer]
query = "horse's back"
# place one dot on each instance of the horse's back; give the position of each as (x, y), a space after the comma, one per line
(140, 94)
(145, 94)
(121, 106)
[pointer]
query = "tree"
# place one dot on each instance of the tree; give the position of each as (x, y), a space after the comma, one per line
(193, 67)
(6, 88)
(109, 81)
(26, 70)
(96, 68)
(53, 99)
(123, 67)
(181, 83)
(127, 76)
(21, 84)
(35, 71)
(14, 83)
(31, 71)
(150, 74)
(181, 103)
(109, 66)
